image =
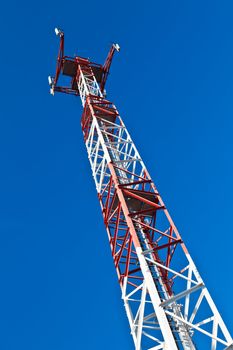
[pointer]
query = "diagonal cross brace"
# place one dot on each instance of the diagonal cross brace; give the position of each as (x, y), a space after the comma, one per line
(182, 294)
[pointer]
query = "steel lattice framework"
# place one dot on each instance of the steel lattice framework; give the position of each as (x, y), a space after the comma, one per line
(166, 301)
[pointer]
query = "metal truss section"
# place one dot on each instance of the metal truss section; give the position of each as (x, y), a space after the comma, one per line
(162, 291)
(166, 301)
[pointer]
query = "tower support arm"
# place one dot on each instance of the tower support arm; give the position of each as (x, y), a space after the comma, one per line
(107, 64)
(60, 57)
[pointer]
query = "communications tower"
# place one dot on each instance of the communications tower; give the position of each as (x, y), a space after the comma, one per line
(166, 301)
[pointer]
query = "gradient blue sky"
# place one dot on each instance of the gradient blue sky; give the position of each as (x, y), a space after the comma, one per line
(173, 84)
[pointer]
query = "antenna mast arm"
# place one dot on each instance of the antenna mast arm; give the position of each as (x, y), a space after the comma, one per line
(60, 55)
(107, 64)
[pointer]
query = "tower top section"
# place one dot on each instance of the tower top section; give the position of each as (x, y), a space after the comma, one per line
(68, 66)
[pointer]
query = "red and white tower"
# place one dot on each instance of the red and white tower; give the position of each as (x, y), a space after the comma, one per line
(166, 301)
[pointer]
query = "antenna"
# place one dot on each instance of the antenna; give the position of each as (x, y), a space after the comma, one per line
(166, 301)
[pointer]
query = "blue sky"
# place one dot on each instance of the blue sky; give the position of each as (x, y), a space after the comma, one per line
(173, 84)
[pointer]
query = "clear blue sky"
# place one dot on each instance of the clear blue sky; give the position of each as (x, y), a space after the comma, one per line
(173, 84)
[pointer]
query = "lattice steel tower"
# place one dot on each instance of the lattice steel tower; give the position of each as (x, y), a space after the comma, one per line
(166, 301)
